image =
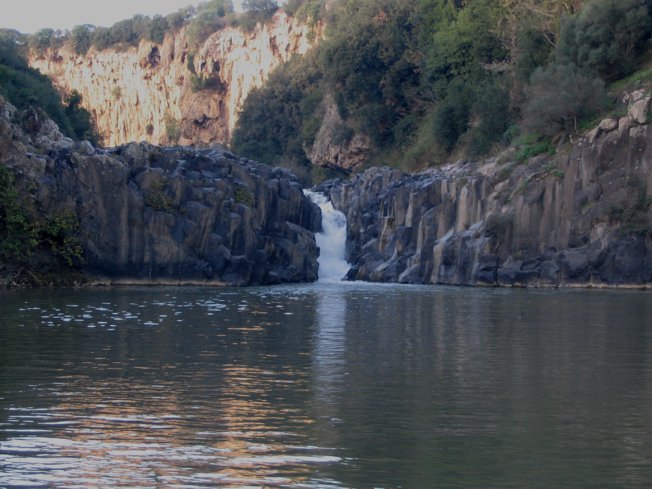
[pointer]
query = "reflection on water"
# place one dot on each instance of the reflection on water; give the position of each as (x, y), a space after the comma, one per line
(327, 385)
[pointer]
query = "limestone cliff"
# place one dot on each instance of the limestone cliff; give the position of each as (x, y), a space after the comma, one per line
(154, 215)
(164, 93)
(581, 217)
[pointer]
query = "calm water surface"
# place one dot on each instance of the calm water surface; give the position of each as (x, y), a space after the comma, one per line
(321, 386)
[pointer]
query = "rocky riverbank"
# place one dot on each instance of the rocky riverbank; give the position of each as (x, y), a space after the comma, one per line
(580, 217)
(146, 214)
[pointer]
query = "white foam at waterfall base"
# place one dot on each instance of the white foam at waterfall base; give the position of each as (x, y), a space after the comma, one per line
(331, 241)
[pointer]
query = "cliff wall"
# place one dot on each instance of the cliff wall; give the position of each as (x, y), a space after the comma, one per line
(167, 93)
(153, 215)
(581, 217)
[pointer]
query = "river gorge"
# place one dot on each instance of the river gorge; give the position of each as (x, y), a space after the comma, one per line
(330, 384)
(174, 315)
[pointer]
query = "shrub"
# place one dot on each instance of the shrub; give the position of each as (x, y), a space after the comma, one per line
(59, 234)
(559, 96)
(18, 237)
(156, 196)
(209, 18)
(242, 195)
(306, 10)
(80, 119)
(22, 232)
(534, 149)
(172, 129)
(178, 19)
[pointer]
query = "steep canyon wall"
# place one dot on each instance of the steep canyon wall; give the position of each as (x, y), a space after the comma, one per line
(169, 93)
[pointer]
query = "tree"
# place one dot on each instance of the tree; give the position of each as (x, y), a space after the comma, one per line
(462, 45)
(208, 19)
(157, 29)
(81, 38)
(262, 5)
(540, 16)
(607, 36)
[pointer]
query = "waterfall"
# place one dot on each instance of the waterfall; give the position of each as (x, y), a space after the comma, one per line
(331, 241)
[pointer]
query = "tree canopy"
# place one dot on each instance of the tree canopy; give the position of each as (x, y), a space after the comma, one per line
(423, 79)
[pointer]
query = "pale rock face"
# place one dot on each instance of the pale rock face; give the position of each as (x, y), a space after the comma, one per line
(146, 93)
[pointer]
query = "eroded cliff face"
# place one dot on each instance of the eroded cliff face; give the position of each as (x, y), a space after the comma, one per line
(583, 217)
(164, 215)
(166, 94)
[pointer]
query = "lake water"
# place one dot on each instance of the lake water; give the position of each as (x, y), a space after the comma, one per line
(325, 385)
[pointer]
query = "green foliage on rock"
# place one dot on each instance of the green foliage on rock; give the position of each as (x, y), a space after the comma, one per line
(18, 235)
(172, 128)
(157, 198)
(23, 87)
(23, 233)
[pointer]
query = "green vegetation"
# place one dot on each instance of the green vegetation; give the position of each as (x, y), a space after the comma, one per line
(209, 17)
(282, 117)
(200, 22)
(156, 196)
(530, 147)
(23, 87)
(243, 196)
(426, 80)
(632, 215)
(172, 129)
(23, 233)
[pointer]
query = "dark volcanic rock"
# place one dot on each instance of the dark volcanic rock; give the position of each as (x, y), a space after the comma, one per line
(176, 215)
(583, 218)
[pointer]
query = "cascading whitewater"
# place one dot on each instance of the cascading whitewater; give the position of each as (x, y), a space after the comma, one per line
(331, 241)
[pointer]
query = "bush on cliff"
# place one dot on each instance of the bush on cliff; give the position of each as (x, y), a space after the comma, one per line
(24, 234)
(559, 97)
(210, 17)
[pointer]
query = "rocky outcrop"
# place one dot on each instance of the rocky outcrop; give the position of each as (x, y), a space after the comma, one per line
(169, 93)
(582, 217)
(165, 215)
(335, 146)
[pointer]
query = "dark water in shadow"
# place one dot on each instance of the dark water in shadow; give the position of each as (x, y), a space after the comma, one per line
(334, 385)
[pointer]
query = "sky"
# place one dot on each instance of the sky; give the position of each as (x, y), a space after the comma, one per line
(29, 16)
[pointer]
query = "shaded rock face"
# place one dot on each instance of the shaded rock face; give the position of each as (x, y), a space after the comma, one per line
(176, 215)
(348, 155)
(170, 93)
(583, 218)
